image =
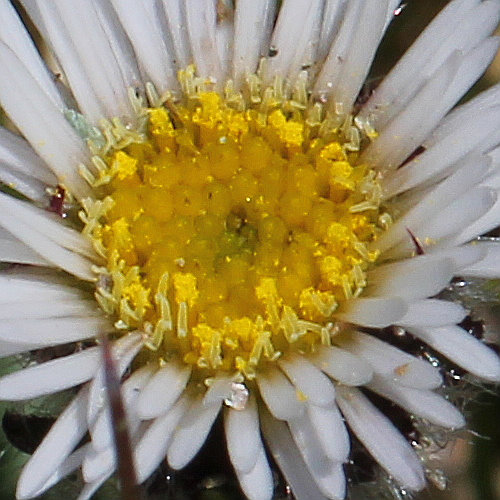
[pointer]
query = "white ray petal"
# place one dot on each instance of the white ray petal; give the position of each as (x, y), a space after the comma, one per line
(251, 39)
(331, 431)
(243, 435)
(292, 38)
(332, 67)
(410, 128)
(201, 19)
(152, 447)
(419, 277)
(373, 312)
(419, 62)
(279, 394)
(145, 34)
(342, 365)
(190, 436)
(27, 186)
(52, 331)
(175, 13)
(119, 43)
(42, 124)
(49, 309)
(450, 221)
(50, 377)
(328, 474)
(462, 256)
(439, 158)
(432, 312)
(463, 349)
(487, 267)
(123, 352)
(17, 154)
(163, 390)
(89, 489)
(82, 48)
(98, 464)
(390, 362)
(15, 35)
(423, 403)
(463, 179)
(57, 445)
(12, 250)
(102, 431)
(258, 483)
(288, 458)
(72, 463)
(49, 224)
(312, 383)
(370, 27)
(332, 17)
(384, 442)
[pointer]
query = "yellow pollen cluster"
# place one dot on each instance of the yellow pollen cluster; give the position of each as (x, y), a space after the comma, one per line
(231, 234)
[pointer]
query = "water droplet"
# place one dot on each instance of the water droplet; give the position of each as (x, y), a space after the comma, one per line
(238, 398)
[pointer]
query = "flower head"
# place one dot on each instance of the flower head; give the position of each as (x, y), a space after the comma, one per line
(243, 229)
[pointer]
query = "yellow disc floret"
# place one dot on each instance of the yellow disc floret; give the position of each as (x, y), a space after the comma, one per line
(231, 233)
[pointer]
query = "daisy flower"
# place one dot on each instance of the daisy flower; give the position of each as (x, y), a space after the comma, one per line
(202, 185)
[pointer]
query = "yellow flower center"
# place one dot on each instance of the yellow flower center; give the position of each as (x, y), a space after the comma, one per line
(232, 230)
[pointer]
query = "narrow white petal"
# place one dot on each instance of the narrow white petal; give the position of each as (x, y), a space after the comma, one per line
(52, 331)
(57, 445)
(420, 277)
(258, 483)
(72, 463)
(312, 383)
(288, 458)
(390, 362)
(15, 35)
(342, 365)
(48, 249)
(201, 23)
(98, 464)
(331, 431)
(48, 223)
(370, 27)
(440, 157)
(411, 127)
(123, 352)
(250, 39)
(175, 12)
(332, 17)
(42, 123)
(333, 65)
(90, 488)
(18, 155)
(243, 436)
(463, 349)
(145, 34)
(102, 431)
(279, 394)
(463, 179)
(50, 377)
(191, 434)
(422, 59)
(423, 403)
(384, 442)
(12, 250)
(82, 48)
(119, 43)
(373, 312)
(49, 309)
(488, 266)
(152, 447)
(163, 390)
(327, 473)
(293, 32)
(462, 256)
(432, 312)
